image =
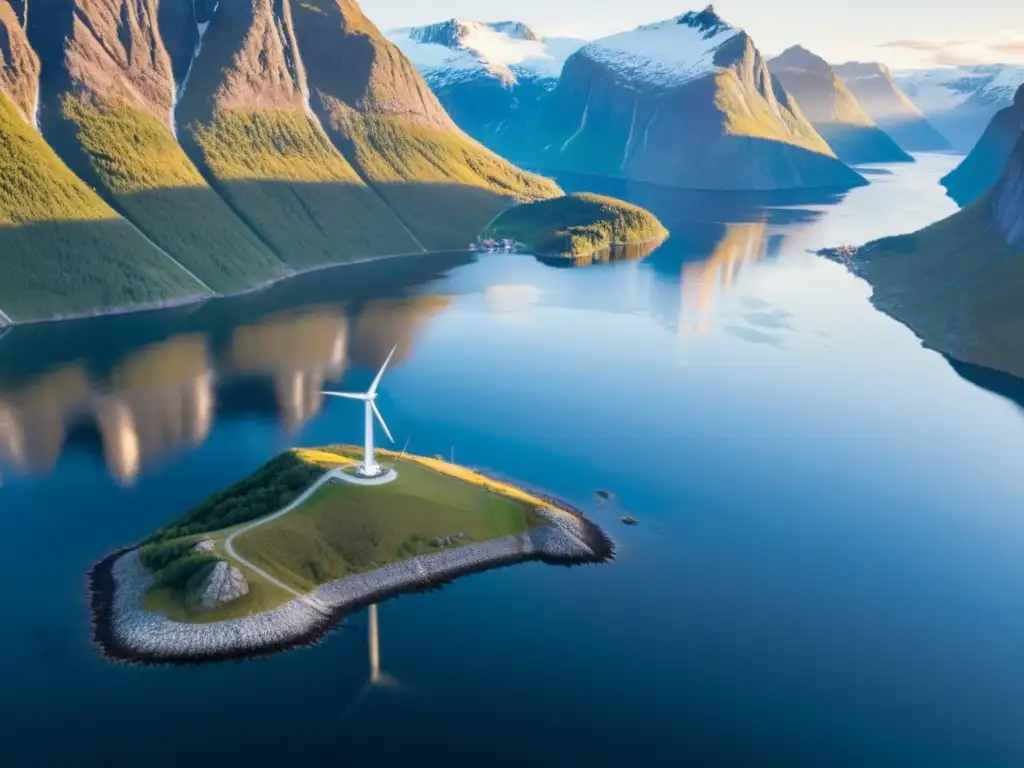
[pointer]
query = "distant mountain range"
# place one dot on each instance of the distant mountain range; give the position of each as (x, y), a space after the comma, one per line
(960, 101)
(486, 74)
(833, 109)
(162, 151)
(687, 102)
(878, 94)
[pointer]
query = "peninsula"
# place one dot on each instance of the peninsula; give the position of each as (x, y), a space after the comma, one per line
(576, 225)
(279, 558)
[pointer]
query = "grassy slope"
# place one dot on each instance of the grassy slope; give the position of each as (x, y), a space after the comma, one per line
(957, 284)
(347, 529)
(62, 249)
(381, 114)
(138, 160)
(577, 224)
(283, 175)
(343, 529)
(444, 185)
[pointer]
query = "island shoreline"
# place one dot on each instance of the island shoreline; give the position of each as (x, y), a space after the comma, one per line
(416, 575)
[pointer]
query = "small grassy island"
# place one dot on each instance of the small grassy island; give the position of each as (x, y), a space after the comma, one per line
(577, 225)
(280, 557)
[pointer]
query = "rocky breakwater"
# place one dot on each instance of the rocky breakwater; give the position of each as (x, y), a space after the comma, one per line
(124, 630)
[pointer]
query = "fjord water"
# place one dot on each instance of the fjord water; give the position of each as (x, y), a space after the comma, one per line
(827, 570)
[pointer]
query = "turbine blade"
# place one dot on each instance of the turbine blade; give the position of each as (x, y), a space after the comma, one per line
(380, 373)
(381, 420)
(349, 395)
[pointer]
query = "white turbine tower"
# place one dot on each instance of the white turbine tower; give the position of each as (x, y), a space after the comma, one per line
(369, 467)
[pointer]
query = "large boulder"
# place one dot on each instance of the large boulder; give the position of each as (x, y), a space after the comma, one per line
(222, 584)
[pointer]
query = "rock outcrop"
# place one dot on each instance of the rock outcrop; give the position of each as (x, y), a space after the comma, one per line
(222, 584)
(833, 110)
(879, 95)
(687, 102)
(983, 166)
(204, 547)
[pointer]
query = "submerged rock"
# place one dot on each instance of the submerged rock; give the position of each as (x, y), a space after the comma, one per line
(628, 520)
(221, 585)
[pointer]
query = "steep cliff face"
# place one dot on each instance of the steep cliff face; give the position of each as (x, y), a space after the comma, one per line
(246, 121)
(959, 282)
(19, 65)
(832, 109)
(109, 91)
(182, 154)
(987, 160)
(379, 111)
(876, 91)
(687, 102)
(62, 249)
(1008, 193)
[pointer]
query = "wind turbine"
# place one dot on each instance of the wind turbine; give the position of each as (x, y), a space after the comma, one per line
(369, 467)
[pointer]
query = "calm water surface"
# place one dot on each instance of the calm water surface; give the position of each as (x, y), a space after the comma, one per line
(828, 570)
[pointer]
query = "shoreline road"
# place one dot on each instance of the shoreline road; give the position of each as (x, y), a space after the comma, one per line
(326, 477)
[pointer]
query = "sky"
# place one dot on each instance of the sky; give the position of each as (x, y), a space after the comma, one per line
(901, 33)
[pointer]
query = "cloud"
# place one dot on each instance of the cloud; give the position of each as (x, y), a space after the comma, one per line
(1005, 47)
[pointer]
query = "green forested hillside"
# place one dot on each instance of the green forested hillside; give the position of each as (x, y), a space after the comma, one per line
(294, 188)
(62, 249)
(446, 187)
(577, 224)
(136, 158)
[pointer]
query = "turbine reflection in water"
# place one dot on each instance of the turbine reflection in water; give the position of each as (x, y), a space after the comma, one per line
(377, 678)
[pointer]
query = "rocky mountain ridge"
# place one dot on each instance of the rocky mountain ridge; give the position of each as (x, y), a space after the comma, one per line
(686, 102)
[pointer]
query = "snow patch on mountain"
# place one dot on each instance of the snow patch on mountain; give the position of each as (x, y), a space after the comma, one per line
(455, 51)
(666, 53)
(943, 88)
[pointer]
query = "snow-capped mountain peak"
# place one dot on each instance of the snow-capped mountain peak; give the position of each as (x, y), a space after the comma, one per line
(706, 21)
(668, 52)
(457, 50)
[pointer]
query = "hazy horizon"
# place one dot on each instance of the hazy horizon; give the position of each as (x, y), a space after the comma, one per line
(914, 33)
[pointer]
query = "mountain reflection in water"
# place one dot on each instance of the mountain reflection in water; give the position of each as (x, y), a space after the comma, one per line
(164, 397)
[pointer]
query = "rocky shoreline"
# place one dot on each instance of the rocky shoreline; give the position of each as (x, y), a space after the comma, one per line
(124, 631)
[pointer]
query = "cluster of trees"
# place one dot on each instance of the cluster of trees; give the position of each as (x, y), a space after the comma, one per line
(577, 223)
(274, 485)
(174, 564)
